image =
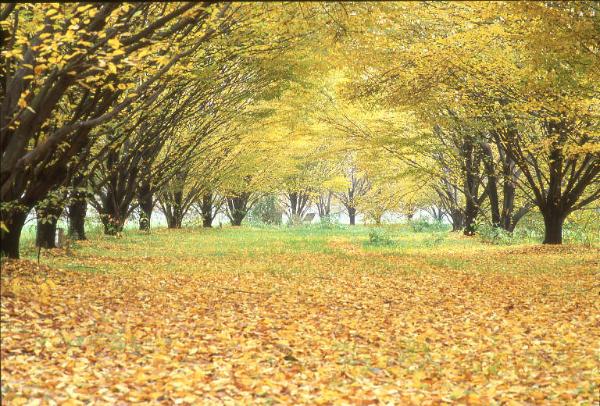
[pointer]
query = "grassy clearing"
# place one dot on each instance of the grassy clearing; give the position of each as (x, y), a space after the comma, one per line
(302, 315)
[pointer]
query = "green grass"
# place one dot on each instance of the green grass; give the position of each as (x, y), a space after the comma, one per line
(436, 249)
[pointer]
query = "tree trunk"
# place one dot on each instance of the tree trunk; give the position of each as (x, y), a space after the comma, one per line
(77, 211)
(470, 215)
(113, 223)
(145, 215)
(506, 220)
(352, 215)
(494, 201)
(174, 216)
(492, 185)
(9, 241)
(47, 218)
(457, 220)
(553, 225)
(146, 205)
(237, 208)
(472, 160)
(206, 210)
(293, 197)
(324, 204)
(114, 210)
(113, 219)
(45, 236)
(237, 217)
(174, 222)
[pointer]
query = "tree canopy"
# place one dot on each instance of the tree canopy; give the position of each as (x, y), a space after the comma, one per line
(472, 111)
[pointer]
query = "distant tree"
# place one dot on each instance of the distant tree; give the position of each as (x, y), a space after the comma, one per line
(358, 186)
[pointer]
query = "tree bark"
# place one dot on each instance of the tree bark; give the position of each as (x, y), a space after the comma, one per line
(174, 215)
(47, 218)
(175, 212)
(206, 208)
(9, 241)
(146, 206)
(112, 224)
(352, 215)
(553, 225)
(237, 208)
(469, 220)
(492, 183)
(112, 214)
(506, 218)
(77, 211)
(237, 216)
(174, 222)
(324, 204)
(45, 236)
(457, 220)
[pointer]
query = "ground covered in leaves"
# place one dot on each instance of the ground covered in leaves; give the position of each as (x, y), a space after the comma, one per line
(301, 316)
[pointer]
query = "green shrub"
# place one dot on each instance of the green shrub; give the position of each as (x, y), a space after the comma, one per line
(329, 221)
(494, 235)
(424, 225)
(265, 211)
(379, 237)
(583, 227)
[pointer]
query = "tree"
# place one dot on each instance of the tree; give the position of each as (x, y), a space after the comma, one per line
(48, 211)
(357, 187)
(522, 78)
(63, 80)
(238, 206)
(210, 206)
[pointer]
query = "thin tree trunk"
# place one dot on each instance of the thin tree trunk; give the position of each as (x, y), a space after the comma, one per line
(324, 204)
(492, 185)
(146, 205)
(176, 210)
(494, 201)
(471, 185)
(173, 218)
(506, 218)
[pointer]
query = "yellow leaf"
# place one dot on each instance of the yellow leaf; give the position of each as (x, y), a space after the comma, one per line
(114, 43)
